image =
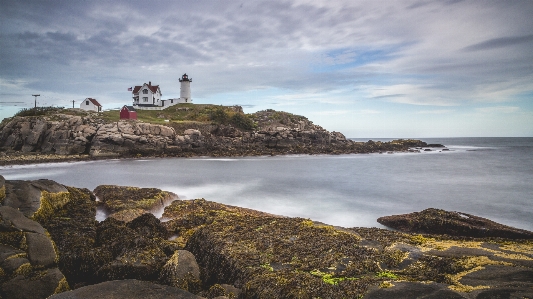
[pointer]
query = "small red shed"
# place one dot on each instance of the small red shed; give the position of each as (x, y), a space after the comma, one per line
(128, 112)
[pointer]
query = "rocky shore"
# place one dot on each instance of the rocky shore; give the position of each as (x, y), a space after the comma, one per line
(51, 246)
(71, 137)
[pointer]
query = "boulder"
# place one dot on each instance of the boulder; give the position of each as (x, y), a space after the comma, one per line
(35, 285)
(40, 250)
(126, 289)
(118, 198)
(436, 221)
(13, 220)
(26, 195)
(182, 271)
(410, 290)
(148, 225)
(133, 256)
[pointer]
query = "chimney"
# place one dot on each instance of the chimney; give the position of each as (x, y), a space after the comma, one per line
(149, 83)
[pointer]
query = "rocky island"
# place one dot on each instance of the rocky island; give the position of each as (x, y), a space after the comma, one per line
(185, 130)
(51, 246)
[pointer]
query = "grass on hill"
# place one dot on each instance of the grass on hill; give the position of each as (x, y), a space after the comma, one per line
(191, 113)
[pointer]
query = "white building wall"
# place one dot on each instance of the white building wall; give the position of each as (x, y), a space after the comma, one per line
(88, 105)
(185, 91)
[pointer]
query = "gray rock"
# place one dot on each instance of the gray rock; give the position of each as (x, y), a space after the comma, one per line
(7, 251)
(40, 250)
(126, 289)
(180, 269)
(12, 264)
(510, 293)
(26, 195)
(13, 220)
(411, 290)
(437, 221)
(39, 286)
(494, 275)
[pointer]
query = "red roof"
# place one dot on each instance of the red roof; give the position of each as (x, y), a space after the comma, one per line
(153, 88)
(95, 102)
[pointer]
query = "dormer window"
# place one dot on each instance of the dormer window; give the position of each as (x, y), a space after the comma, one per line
(145, 91)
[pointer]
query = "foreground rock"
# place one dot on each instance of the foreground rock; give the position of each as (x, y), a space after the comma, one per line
(435, 221)
(28, 259)
(126, 289)
(127, 203)
(241, 253)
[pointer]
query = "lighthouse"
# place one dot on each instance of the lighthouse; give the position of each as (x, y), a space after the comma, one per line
(185, 89)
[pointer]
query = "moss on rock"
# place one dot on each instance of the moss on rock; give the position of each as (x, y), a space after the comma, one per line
(50, 203)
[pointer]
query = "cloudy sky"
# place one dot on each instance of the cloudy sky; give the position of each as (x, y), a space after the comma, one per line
(364, 68)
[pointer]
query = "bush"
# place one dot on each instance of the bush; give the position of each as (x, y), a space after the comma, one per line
(38, 111)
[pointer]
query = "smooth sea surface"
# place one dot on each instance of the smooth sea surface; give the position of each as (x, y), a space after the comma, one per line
(487, 177)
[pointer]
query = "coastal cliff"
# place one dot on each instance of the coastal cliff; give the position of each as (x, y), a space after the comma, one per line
(74, 133)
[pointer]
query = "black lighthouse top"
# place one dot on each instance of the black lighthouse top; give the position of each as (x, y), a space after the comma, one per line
(185, 78)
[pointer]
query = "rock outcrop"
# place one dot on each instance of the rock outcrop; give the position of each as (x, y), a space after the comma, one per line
(436, 221)
(88, 136)
(28, 260)
(127, 203)
(221, 251)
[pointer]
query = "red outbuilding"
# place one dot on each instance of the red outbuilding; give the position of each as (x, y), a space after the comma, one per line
(128, 112)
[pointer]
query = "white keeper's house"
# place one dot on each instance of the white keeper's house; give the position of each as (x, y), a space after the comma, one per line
(91, 105)
(149, 97)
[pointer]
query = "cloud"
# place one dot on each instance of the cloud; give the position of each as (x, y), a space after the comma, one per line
(437, 111)
(498, 109)
(500, 42)
(430, 53)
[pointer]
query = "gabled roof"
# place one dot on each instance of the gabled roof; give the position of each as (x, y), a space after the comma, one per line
(153, 88)
(95, 102)
(129, 108)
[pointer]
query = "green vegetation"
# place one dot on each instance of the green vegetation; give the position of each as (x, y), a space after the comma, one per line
(50, 203)
(387, 274)
(191, 113)
(329, 279)
(39, 111)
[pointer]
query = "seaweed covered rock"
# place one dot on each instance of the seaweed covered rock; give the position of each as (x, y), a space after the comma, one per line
(133, 256)
(2, 189)
(186, 216)
(73, 229)
(272, 257)
(148, 225)
(436, 221)
(129, 202)
(182, 271)
(34, 284)
(33, 198)
(28, 259)
(126, 289)
(467, 266)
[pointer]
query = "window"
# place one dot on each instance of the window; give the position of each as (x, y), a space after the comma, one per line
(86, 102)
(145, 91)
(145, 99)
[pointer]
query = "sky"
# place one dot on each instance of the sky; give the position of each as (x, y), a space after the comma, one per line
(389, 69)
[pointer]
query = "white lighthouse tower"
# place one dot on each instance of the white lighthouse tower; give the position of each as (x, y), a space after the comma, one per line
(185, 89)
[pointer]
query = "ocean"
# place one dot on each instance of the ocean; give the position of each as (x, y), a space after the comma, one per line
(487, 177)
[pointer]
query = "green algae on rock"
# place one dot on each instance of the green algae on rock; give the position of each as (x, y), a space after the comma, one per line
(127, 203)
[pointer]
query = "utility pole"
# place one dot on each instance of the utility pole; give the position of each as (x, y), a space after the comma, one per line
(36, 95)
(73, 103)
